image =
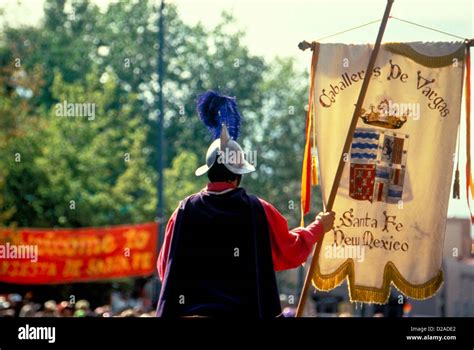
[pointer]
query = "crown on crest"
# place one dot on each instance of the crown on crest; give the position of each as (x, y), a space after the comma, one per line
(385, 115)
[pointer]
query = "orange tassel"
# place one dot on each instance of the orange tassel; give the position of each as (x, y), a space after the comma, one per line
(314, 171)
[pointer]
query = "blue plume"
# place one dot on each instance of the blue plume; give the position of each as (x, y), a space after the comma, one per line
(215, 109)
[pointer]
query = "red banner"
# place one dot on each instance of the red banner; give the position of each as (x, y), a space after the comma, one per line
(40, 256)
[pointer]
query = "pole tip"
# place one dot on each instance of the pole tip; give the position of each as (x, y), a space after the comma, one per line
(305, 45)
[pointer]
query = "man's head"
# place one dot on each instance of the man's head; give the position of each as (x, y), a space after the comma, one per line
(218, 172)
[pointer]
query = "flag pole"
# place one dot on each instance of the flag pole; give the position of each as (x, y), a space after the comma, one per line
(347, 144)
(160, 144)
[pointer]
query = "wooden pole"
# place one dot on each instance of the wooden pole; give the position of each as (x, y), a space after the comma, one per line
(347, 144)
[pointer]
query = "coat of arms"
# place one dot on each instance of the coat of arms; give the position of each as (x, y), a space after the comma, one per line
(378, 161)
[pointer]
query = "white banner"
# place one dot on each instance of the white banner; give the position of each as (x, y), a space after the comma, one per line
(392, 201)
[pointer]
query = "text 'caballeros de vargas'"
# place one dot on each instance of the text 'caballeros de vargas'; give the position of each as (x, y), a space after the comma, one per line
(328, 95)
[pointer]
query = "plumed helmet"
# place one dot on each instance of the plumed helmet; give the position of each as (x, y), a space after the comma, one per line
(221, 116)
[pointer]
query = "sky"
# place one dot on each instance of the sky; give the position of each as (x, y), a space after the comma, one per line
(275, 27)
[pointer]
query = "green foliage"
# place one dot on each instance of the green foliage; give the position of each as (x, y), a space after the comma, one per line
(79, 172)
(180, 180)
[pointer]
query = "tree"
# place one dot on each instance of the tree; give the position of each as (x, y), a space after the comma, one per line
(16, 111)
(181, 181)
(89, 171)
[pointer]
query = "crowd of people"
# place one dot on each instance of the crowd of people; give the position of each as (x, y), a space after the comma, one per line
(15, 305)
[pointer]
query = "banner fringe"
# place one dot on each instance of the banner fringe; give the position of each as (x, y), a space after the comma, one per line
(376, 295)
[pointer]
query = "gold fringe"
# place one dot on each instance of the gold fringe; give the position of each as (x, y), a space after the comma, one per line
(427, 61)
(364, 294)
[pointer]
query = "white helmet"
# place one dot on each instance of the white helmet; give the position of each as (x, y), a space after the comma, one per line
(228, 152)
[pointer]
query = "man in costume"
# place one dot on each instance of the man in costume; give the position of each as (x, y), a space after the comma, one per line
(222, 245)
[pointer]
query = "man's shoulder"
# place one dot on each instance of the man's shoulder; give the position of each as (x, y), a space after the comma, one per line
(267, 206)
(182, 203)
(264, 202)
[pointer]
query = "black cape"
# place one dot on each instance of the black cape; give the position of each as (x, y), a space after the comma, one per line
(220, 260)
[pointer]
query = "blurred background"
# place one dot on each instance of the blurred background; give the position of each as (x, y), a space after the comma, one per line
(107, 53)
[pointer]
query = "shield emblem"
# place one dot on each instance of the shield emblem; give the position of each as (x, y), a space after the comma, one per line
(378, 161)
